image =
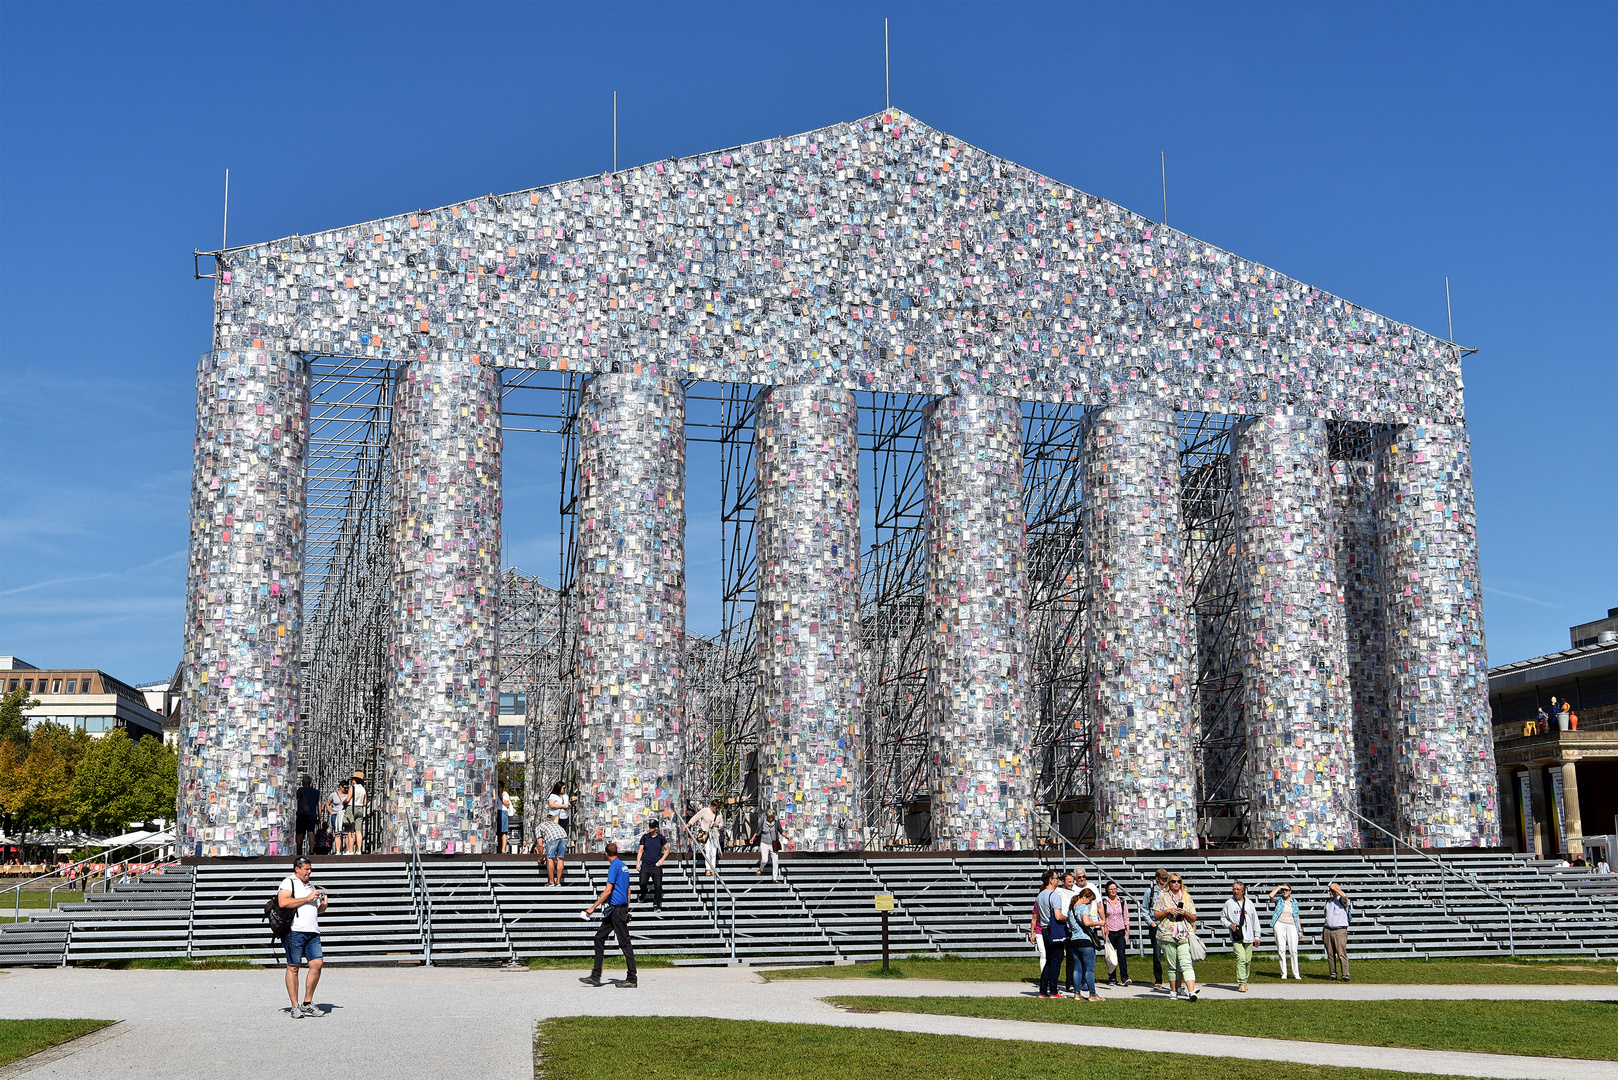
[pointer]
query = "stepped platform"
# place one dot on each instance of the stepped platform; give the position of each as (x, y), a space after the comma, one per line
(495, 909)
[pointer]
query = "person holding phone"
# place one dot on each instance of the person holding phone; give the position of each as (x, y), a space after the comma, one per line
(1176, 919)
(303, 941)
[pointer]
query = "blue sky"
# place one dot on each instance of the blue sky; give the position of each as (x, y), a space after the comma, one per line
(1366, 149)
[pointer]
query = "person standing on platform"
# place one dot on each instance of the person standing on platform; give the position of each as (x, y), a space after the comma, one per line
(1241, 920)
(770, 835)
(1115, 919)
(1051, 919)
(357, 809)
(555, 849)
(303, 941)
(614, 921)
(1176, 918)
(1148, 904)
(338, 805)
(649, 855)
(308, 815)
(1339, 913)
(705, 826)
(559, 804)
(1288, 925)
(503, 812)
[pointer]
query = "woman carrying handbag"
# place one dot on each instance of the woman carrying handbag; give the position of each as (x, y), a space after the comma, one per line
(1176, 917)
(1115, 917)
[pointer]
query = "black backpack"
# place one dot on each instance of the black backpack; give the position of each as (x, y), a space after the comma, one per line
(279, 918)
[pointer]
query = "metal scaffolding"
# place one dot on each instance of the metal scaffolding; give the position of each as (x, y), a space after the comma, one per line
(345, 673)
(348, 573)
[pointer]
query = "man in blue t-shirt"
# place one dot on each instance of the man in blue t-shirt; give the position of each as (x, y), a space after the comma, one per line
(615, 920)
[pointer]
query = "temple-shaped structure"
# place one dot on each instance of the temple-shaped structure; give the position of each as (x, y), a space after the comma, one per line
(878, 255)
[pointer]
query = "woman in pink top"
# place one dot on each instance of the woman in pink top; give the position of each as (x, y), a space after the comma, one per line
(1115, 913)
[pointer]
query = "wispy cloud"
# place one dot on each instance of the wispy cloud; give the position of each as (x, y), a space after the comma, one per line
(170, 557)
(1520, 596)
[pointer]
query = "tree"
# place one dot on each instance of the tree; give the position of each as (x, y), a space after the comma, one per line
(35, 778)
(120, 781)
(13, 724)
(159, 772)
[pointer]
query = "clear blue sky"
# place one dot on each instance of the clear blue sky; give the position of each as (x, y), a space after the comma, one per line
(1367, 149)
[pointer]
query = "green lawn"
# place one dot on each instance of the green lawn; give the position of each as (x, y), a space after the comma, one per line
(1581, 1029)
(19, 1038)
(615, 1048)
(175, 963)
(35, 900)
(1480, 971)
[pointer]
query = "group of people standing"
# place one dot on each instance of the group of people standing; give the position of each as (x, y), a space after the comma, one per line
(331, 824)
(1074, 919)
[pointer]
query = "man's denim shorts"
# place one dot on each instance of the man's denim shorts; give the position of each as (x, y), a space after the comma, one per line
(302, 946)
(555, 849)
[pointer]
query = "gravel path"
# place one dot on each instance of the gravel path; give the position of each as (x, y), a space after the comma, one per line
(388, 1023)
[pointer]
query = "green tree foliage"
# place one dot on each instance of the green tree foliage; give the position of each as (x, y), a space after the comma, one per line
(119, 781)
(55, 777)
(13, 725)
(36, 777)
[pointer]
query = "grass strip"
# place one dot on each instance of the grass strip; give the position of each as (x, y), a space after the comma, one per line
(1573, 1029)
(1468, 971)
(174, 963)
(19, 1038)
(619, 1048)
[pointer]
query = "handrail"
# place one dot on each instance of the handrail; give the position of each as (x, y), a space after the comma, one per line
(695, 879)
(719, 883)
(1101, 874)
(689, 871)
(62, 870)
(1511, 929)
(423, 901)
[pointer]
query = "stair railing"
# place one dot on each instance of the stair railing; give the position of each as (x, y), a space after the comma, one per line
(715, 914)
(719, 883)
(1102, 875)
(683, 835)
(67, 870)
(421, 899)
(1443, 872)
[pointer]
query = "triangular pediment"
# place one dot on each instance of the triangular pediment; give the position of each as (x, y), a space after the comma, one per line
(879, 254)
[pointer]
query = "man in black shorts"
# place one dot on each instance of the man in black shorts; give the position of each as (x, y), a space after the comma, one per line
(308, 816)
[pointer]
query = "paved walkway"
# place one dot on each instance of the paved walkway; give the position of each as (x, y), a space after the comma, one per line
(476, 1022)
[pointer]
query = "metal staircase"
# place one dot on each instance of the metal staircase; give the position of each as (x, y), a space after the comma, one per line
(498, 909)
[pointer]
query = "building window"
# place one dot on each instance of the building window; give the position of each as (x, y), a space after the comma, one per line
(56, 686)
(28, 685)
(73, 686)
(13, 685)
(84, 687)
(513, 738)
